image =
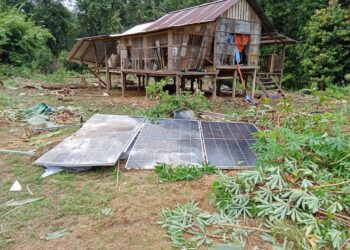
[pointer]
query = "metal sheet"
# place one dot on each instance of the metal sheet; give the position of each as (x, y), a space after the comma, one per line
(100, 142)
(198, 14)
(169, 141)
(228, 145)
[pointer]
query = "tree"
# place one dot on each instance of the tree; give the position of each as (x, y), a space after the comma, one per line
(99, 17)
(59, 20)
(22, 43)
(326, 57)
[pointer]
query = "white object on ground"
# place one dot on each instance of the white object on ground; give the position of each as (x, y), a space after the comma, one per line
(16, 186)
(51, 170)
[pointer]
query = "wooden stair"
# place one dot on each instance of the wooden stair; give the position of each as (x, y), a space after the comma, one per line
(269, 86)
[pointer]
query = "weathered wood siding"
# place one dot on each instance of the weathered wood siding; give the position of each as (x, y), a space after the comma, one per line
(240, 19)
(242, 11)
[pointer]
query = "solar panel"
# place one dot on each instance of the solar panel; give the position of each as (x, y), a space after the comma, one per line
(100, 142)
(228, 145)
(168, 141)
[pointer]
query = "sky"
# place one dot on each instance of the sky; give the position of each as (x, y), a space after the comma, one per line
(69, 4)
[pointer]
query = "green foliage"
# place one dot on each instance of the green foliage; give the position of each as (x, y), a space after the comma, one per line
(155, 90)
(327, 47)
(22, 43)
(301, 176)
(189, 227)
(167, 103)
(168, 173)
(52, 15)
(99, 17)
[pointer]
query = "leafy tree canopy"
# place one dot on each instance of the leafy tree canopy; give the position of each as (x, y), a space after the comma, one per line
(326, 58)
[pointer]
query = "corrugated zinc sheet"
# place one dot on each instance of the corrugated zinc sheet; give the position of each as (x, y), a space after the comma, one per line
(199, 14)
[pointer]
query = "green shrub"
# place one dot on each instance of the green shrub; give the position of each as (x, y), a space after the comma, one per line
(169, 173)
(167, 103)
(22, 43)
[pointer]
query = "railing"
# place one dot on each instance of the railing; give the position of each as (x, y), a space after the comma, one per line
(266, 66)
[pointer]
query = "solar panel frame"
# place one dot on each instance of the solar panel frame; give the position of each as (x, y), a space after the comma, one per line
(171, 141)
(228, 149)
(100, 142)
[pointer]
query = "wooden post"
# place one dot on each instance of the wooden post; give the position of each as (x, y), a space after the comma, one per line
(170, 51)
(146, 84)
(139, 82)
(108, 76)
(97, 67)
(254, 83)
(234, 84)
(282, 70)
(213, 82)
(183, 83)
(272, 66)
(123, 76)
(192, 84)
(178, 84)
(200, 83)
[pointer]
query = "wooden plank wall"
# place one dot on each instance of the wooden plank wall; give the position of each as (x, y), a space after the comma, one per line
(242, 11)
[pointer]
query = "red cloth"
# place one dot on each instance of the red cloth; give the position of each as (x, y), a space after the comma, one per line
(242, 41)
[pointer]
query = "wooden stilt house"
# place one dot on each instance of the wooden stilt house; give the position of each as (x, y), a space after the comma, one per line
(214, 40)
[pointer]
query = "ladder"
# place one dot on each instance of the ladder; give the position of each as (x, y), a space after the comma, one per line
(269, 85)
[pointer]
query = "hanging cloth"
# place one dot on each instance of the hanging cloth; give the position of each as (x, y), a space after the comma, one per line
(242, 41)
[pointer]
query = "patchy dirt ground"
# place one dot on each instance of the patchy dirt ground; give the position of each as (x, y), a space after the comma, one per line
(74, 201)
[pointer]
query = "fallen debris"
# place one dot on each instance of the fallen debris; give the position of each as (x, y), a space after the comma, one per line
(185, 114)
(14, 203)
(57, 234)
(29, 190)
(18, 152)
(16, 187)
(107, 211)
(40, 109)
(51, 170)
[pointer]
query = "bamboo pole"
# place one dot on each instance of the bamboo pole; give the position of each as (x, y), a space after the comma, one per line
(254, 84)
(234, 84)
(108, 77)
(178, 84)
(97, 67)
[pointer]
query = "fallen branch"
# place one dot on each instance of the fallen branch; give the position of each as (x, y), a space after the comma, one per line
(17, 152)
(247, 228)
(342, 159)
(332, 185)
(344, 244)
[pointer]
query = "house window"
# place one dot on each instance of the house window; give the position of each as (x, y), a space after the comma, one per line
(195, 40)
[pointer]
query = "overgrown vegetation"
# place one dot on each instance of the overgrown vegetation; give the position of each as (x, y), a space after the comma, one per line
(168, 103)
(22, 43)
(326, 58)
(168, 173)
(300, 189)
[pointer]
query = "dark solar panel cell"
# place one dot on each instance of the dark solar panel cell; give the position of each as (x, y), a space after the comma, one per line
(228, 145)
(168, 141)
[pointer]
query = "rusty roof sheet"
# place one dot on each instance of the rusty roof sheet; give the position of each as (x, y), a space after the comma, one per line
(198, 14)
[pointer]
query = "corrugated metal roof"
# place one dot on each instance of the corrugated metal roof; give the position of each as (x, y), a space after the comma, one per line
(276, 38)
(137, 29)
(198, 14)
